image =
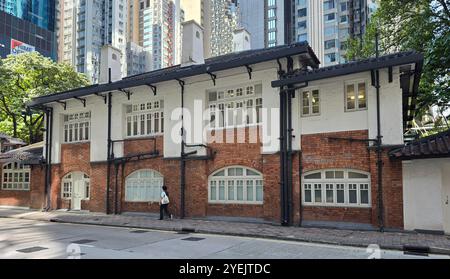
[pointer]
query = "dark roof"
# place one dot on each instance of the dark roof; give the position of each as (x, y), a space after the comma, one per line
(30, 155)
(8, 140)
(211, 65)
(435, 146)
(373, 63)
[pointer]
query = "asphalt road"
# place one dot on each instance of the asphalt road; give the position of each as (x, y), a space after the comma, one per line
(24, 239)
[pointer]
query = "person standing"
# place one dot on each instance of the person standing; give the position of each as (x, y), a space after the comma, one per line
(164, 204)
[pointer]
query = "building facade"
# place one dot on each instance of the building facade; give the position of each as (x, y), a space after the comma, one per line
(84, 27)
(224, 20)
(138, 60)
(234, 158)
(251, 17)
(27, 26)
(155, 25)
(198, 10)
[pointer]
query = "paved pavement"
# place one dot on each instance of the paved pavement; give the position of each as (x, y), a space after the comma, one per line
(23, 239)
(439, 244)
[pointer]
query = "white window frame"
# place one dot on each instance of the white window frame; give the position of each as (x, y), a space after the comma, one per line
(257, 180)
(139, 113)
(137, 181)
(310, 105)
(355, 84)
(224, 108)
(76, 120)
(69, 180)
(12, 173)
(346, 181)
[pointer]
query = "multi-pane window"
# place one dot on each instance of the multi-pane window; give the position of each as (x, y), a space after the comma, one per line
(16, 177)
(310, 102)
(145, 119)
(68, 184)
(77, 127)
(336, 188)
(235, 107)
(143, 186)
(355, 96)
(236, 185)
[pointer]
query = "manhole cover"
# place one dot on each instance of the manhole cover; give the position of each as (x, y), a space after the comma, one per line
(193, 239)
(139, 231)
(32, 249)
(83, 241)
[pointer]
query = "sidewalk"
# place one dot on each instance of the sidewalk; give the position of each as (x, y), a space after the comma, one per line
(438, 244)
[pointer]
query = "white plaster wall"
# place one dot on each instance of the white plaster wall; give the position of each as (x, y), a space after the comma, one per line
(334, 118)
(98, 129)
(422, 193)
(445, 165)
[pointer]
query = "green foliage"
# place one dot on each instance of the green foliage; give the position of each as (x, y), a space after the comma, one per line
(420, 25)
(23, 77)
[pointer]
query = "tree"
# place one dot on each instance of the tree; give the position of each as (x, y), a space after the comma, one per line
(23, 77)
(421, 25)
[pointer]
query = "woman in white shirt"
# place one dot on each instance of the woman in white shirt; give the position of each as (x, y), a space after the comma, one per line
(164, 203)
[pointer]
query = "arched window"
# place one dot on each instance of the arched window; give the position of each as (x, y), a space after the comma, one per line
(236, 185)
(143, 186)
(16, 177)
(336, 188)
(75, 183)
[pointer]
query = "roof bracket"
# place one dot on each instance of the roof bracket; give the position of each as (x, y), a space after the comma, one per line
(372, 77)
(64, 104)
(213, 77)
(181, 82)
(390, 74)
(153, 88)
(102, 96)
(82, 100)
(249, 71)
(127, 92)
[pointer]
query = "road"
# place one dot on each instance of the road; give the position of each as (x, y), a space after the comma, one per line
(25, 239)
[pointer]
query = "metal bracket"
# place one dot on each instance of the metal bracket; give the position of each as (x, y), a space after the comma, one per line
(82, 100)
(153, 88)
(64, 104)
(127, 92)
(181, 82)
(249, 71)
(213, 77)
(102, 96)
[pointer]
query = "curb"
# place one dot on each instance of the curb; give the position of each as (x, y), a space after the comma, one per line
(432, 250)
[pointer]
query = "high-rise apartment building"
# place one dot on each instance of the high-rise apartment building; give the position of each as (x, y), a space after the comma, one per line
(325, 24)
(27, 25)
(85, 26)
(155, 25)
(224, 20)
(328, 24)
(138, 60)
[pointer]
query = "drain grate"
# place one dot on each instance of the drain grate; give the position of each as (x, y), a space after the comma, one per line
(193, 239)
(416, 250)
(138, 231)
(84, 241)
(31, 249)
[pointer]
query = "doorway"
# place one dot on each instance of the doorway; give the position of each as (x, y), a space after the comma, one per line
(75, 189)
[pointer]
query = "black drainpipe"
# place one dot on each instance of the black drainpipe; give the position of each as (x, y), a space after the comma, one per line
(116, 173)
(283, 177)
(182, 161)
(108, 170)
(300, 171)
(379, 143)
(48, 154)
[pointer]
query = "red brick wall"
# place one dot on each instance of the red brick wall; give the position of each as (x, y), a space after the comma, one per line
(319, 152)
(33, 198)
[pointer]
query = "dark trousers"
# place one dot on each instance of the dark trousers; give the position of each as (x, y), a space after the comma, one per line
(163, 208)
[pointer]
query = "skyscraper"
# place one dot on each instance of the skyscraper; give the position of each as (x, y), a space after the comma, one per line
(328, 24)
(224, 21)
(27, 25)
(85, 26)
(251, 17)
(155, 25)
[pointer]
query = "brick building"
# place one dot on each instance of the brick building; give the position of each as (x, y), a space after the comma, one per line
(264, 135)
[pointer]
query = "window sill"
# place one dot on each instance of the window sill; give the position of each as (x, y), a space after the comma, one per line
(234, 203)
(336, 205)
(152, 136)
(76, 142)
(21, 190)
(235, 127)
